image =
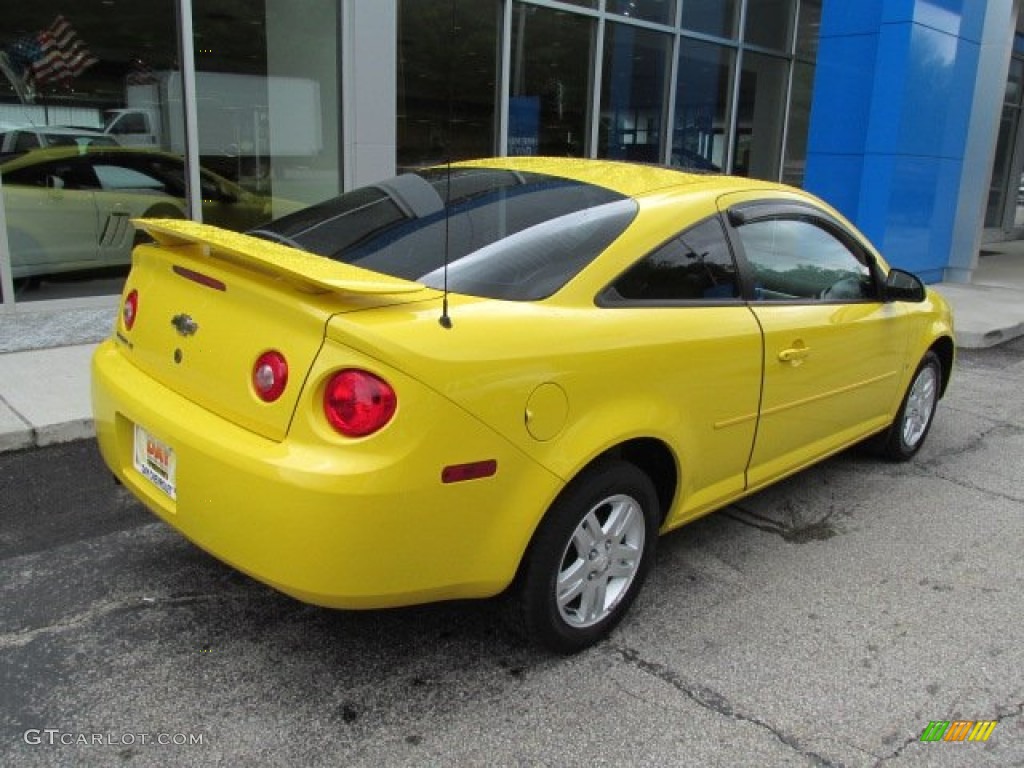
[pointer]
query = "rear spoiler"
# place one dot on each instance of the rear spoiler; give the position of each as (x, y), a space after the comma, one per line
(305, 270)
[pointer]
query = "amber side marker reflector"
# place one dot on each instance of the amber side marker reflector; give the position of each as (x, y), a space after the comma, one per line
(457, 473)
(199, 277)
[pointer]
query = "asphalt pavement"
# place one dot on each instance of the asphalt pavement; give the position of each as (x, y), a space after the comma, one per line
(827, 621)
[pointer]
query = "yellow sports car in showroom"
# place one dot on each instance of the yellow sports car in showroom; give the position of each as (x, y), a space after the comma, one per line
(70, 208)
(506, 374)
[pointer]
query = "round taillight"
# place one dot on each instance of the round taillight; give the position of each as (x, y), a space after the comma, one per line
(270, 376)
(130, 309)
(357, 403)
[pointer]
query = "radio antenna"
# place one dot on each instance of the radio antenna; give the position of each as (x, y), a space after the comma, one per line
(445, 320)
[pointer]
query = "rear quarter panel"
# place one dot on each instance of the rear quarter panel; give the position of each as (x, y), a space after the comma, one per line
(688, 376)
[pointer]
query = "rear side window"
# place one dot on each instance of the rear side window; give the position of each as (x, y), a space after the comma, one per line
(504, 234)
(695, 266)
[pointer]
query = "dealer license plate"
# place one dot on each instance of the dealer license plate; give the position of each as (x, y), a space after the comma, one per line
(155, 460)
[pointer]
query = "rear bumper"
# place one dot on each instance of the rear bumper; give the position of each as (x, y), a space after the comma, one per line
(362, 524)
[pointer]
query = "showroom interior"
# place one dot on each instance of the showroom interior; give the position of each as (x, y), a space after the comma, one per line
(904, 114)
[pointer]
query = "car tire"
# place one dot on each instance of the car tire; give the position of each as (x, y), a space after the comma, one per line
(588, 558)
(908, 431)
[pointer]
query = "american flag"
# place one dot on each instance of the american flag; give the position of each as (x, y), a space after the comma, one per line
(56, 54)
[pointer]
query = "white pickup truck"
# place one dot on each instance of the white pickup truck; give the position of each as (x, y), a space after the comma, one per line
(26, 138)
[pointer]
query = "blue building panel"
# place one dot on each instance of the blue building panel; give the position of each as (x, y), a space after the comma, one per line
(842, 17)
(840, 113)
(890, 118)
(922, 102)
(908, 210)
(959, 18)
(837, 179)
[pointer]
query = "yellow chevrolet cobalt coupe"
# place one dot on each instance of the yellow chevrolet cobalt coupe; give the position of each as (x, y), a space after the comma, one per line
(504, 375)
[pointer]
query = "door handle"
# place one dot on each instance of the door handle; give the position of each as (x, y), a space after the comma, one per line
(794, 354)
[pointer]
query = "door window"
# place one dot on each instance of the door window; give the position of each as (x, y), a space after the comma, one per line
(797, 260)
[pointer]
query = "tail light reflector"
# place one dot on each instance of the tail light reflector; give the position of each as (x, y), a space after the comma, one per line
(130, 309)
(270, 376)
(358, 403)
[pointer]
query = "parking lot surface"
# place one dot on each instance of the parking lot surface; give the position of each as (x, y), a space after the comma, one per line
(827, 621)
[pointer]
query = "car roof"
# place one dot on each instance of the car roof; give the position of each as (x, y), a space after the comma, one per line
(24, 159)
(65, 131)
(44, 154)
(626, 178)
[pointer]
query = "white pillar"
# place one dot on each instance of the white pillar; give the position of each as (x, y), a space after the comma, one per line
(369, 56)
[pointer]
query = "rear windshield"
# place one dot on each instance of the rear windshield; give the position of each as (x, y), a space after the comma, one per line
(507, 234)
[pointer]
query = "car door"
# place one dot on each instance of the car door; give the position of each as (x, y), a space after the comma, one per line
(707, 360)
(51, 216)
(833, 350)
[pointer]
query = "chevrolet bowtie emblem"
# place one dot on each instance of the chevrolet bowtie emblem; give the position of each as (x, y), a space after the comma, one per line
(184, 325)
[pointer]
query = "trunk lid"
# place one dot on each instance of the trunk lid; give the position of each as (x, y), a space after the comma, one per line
(210, 302)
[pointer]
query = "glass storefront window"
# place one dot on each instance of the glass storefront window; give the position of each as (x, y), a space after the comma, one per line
(660, 11)
(633, 93)
(550, 82)
(712, 17)
(1001, 183)
(267, 108)
(92, 111)
(63, 69)
(795, 161)
(92, 128)
(447, 90)
(769, 23)
(703, 94)
(760, 115)
(808, 30)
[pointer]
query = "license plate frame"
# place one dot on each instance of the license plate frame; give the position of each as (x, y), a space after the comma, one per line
(156, 460)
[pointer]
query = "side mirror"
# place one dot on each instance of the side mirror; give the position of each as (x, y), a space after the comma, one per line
(903, 286)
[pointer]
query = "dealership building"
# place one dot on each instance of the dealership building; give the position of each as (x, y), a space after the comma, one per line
(903, 114)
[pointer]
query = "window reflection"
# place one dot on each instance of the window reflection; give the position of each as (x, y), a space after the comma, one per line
(661, 11)
(808, 29)
(769, 23)
(696, 266)
(796, 260)
(61, 68)
(266, 91)
(712, 17)
(760, 113)
(269, 116)
(799, 124)
(550, 89)
(92, 127)
(446, 80)
(703, 92)
(633, 93)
